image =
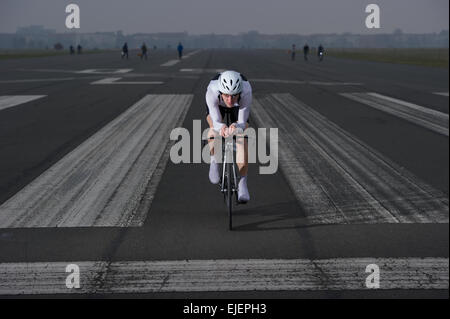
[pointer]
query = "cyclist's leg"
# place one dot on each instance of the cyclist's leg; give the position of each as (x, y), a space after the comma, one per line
(213, 133)
(242, 163)
(213, 136)
(242, 153)
(214, 167)
(241, 146)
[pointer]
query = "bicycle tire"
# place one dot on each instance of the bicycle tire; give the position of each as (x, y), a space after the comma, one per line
(229, 196)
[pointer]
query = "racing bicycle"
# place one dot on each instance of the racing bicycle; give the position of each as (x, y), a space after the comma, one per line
(228, 184)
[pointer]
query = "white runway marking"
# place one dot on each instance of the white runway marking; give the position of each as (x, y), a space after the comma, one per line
(304, 82)
(441, 93)
(87, 71)
(224, 275)
(104, 71)
(333, 83)
(115, 81)
(40, 80)
(110, 179)
(425, 117)
(191, 54)
(203, 70)
(171, 63)
(336, 177)
(278, 81)
(48, 70)
(7, 101)
(176, 61)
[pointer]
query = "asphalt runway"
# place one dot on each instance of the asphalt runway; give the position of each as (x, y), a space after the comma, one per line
(86, 178)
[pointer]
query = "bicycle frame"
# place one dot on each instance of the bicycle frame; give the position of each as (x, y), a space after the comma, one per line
(229, 185)
(228, 158)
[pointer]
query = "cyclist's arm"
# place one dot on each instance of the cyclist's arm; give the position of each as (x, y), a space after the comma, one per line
(244, 109)
(213, 107)
(244, 112)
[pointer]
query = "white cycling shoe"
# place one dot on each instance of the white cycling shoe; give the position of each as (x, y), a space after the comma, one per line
(243, 194)
(214, 172)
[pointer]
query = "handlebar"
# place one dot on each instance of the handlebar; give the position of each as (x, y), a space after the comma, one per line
(234, 137)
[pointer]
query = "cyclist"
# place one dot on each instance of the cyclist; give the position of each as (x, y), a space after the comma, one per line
(229, 90)
(320, 52)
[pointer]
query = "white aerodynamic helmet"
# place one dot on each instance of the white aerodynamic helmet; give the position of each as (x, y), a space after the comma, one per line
(230, 82)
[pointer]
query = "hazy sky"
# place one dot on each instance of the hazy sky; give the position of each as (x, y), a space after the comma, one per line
(228, 16)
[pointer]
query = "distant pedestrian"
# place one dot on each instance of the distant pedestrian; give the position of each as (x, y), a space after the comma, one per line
(125, 51)
(180, 50)
(306, 51)
(293, 53)
(72, 50)
(143, 51)
(79, 49)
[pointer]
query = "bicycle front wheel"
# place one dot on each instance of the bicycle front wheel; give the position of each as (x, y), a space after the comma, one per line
(230, 196)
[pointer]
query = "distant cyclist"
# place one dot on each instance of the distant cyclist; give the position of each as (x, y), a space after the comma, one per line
(229, 91)
(320, 52)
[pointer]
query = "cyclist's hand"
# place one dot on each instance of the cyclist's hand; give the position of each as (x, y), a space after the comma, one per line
(224, 131)
(232, 129)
